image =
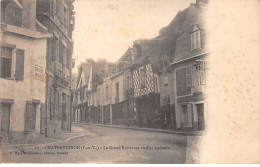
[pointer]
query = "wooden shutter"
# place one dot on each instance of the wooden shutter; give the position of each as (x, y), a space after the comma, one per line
(19, 69)
(203, 75)
(43, 118)
(192, 41)
(189, 76)
(56, 104)
(28, 116)
(60, 107)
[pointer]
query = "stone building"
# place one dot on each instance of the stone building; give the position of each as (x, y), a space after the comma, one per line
(57, 17)
(189, 70)
(182, 76)
(23, 50)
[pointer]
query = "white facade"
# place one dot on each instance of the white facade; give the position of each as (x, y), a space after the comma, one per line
(31, 88)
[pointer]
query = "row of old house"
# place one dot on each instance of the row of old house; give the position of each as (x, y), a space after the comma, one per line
(35, 67)
(158, 82)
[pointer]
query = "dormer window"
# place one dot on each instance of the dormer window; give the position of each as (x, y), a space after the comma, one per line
(195, 38)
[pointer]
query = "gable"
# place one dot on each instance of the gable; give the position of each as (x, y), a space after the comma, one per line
(81, 81)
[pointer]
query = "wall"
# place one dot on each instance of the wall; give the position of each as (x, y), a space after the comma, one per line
(117, 79)
(30, 88)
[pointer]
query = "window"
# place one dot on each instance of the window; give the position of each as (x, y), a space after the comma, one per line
(128, 82)
(142, 78)
(195, 40)
(117, 89)
(54, 6)
(68, 58)
(185, 115)
(83, 94)
(189, 76)
(5, 62)
(61, 48)
(106, 91)
(55, 48)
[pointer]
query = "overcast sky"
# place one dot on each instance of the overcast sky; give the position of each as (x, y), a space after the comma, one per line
(106, 28)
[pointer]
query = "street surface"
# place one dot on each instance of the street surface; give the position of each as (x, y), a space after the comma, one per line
(103, 145)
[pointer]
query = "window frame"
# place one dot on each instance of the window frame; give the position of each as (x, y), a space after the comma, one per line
(142, 79)
(189, 74)
(11, 57)
(195, 40)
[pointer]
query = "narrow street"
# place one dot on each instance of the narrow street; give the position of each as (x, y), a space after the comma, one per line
(105, 145)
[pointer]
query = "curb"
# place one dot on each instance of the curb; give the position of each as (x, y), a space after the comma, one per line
(144, 129)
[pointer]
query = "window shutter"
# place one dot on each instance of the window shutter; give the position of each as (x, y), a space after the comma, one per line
(189, 76)
(56, 104)
(198, 39)
(19, 69)
(60, 107)
(43, 118)
(203, 75)
(196, 77)
(28, 116)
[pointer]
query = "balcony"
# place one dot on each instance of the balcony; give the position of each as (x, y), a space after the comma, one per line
(62, 74)
(166, 100)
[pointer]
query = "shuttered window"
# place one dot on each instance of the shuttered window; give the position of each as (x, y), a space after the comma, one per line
(28, 116)
(195, 40)
(19, 68)
(5, 62)
(189, 76)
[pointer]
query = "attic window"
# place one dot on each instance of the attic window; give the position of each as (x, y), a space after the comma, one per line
(195, 38)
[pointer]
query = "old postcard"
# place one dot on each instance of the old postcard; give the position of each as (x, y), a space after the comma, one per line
(129, 81)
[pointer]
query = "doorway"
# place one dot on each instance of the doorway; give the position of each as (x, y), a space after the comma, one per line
(201, 120)
(5, 120)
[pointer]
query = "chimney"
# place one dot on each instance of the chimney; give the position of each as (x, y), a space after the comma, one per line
(29, 14)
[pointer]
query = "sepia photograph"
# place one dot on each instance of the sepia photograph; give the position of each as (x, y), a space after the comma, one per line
(130, 81)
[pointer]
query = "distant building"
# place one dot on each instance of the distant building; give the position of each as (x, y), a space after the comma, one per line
(158, 82)
(88, 94)
(22, 71)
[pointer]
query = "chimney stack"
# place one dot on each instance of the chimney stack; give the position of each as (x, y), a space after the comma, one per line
(29, 14)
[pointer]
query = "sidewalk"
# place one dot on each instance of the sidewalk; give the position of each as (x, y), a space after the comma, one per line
(191, 133)
(192, 150)
(75, 134)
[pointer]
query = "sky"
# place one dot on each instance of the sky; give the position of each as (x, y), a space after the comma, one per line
(107, 28)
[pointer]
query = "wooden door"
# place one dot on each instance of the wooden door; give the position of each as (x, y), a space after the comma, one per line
(201, 121)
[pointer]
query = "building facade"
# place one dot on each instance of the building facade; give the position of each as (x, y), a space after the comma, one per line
(184, 77)
(22, 68)
(57, 16)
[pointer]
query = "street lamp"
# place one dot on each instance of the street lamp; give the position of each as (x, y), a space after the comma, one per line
(198, 65)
